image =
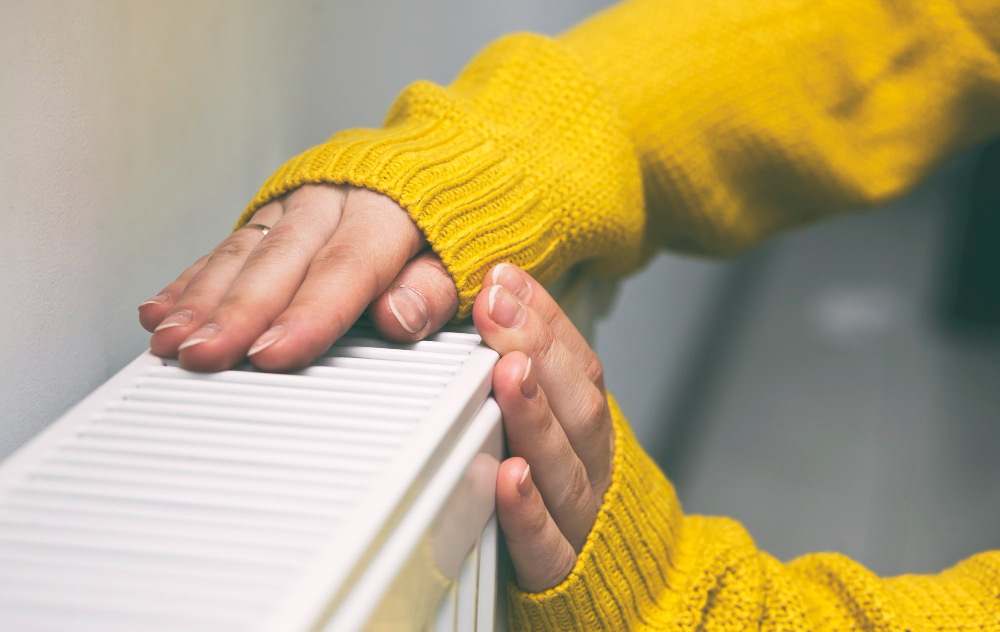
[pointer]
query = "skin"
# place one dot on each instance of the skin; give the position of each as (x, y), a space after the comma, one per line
(285, 297)
(557, 423)
(332, 251)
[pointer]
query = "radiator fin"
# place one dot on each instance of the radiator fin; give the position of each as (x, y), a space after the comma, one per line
(173, 500)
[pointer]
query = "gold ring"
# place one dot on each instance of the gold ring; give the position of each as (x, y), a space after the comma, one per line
(259, 227)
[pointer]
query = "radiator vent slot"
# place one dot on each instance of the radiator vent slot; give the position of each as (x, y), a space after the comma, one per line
(242, 500)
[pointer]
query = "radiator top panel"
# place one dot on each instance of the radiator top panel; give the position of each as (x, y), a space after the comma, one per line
(240, 500)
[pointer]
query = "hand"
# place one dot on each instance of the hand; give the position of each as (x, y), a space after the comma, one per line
(284, 298)
(550, 387)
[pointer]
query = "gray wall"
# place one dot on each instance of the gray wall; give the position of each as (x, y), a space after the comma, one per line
(134, 132)
(843, 413)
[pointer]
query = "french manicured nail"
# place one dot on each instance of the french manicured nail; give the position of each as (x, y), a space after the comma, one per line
(505, 275)
(505, 310)
(529, 385)
(524, 485)
(159, 298)
(409, 308)
(204, 334)
(268, 338)
(177, 319)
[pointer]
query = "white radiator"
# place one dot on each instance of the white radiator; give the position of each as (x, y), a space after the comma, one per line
(355, 494)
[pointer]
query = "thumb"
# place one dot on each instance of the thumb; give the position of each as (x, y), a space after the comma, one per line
(418, 302)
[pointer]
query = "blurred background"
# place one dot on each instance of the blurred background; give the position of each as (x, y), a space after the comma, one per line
(836, 389)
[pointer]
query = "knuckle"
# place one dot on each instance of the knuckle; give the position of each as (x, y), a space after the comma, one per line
(595, 370)
(341, 252)
(575, 493)
(273, 247)
(543, 345)
(230, 248)
(594, 407)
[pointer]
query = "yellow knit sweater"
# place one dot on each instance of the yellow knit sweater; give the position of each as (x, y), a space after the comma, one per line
(702, 126)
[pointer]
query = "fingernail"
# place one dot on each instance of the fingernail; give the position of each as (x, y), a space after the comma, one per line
(505, 275)
(159, 298)
(505, 310)
(204, 334)
(268, 338)
(177, 319)
(524, 485)
(529, 385)
(409, 308)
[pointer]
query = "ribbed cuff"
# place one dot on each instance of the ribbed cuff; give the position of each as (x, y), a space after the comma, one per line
(625, 564)
(458, 186)
(510, 163)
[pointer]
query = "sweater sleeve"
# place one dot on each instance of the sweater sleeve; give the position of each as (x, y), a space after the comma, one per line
(647, 566)
(702, 126)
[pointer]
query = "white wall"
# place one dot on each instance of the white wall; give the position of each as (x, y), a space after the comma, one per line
(132, 133)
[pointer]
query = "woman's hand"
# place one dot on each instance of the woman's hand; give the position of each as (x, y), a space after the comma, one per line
(285, 297)
(550, 387)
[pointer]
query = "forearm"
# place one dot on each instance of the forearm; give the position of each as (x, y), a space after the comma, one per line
(700, 126)
(749, 118)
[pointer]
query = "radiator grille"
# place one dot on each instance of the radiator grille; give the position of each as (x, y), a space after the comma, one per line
(239, 500)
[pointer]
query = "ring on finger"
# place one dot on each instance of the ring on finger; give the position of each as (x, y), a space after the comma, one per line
(261, 227)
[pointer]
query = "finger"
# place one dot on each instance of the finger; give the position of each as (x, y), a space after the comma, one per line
(419, 301)
(541, 555)
(268, 280)
(535, 296)
(534, 434)
(507, 325)
(152, 311)
(205, 289)
(375, 239)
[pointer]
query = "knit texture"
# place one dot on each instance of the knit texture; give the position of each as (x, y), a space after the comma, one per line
(493, 168)
(647, 566)
(703, 126)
